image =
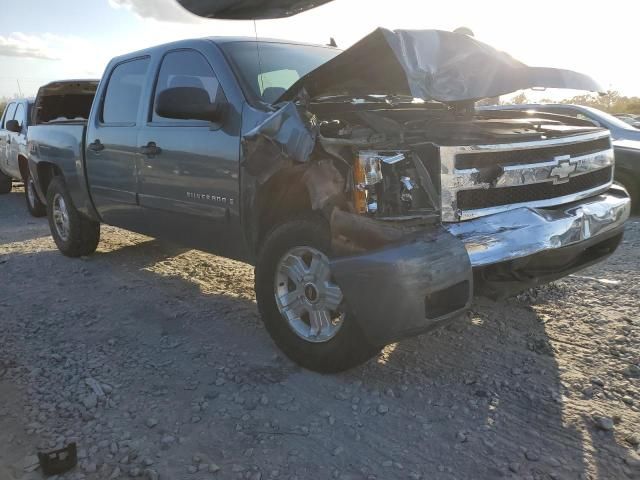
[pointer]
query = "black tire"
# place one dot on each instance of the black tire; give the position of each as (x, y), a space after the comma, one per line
(633, 187)
(36, 207)
(5, 184)
(348, 348)
(83, 234)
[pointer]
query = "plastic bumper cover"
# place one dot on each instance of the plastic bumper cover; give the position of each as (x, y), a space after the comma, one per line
(407, 288)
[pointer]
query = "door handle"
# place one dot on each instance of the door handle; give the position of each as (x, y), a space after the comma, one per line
(150, 149)
(96, 146)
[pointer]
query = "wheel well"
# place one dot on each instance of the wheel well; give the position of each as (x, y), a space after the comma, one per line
(46, 172)
(23, 165)
(283, 196)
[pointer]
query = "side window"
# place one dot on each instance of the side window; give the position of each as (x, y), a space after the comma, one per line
(186, 68)
(20, 114)
(122, 99)
(11, 110)
(273, 84)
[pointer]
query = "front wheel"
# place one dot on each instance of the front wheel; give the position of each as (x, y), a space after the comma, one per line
(301, 305)
(35, 206)
(5, 184)
(74, 234)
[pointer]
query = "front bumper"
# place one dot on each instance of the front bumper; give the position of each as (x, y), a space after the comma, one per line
(428, 278)
(526, 232)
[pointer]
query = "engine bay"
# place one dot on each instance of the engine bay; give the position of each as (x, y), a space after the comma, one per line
(392, 152)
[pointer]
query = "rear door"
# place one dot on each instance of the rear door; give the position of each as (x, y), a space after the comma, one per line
(112, 149)
(4, 137)
(189, 168)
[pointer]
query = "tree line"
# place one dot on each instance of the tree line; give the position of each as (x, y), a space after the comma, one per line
(611, 102)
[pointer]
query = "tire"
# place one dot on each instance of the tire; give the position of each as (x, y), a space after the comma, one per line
(632, 186)
(5, 184)
(348, 347)
(36, 207)
(74, 234)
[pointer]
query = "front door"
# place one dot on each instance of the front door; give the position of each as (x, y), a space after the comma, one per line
(189, 168)
(112, 145)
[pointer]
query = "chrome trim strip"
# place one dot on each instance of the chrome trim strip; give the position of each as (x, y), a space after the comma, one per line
(543, 172)
(557, 171)
(550, 142)
(525, 231)
(465, 215)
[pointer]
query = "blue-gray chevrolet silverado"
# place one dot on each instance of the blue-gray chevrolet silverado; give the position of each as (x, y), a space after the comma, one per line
(372, 197)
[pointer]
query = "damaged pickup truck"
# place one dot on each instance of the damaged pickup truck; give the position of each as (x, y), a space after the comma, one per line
(372, 197)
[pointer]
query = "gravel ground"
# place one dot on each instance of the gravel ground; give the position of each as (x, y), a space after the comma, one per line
(153, 359)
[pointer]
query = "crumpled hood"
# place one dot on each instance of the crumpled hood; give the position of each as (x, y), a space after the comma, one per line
(249, 9)
(430, 65)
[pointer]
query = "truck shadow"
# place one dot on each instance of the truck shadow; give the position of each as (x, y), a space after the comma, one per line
(480, 398)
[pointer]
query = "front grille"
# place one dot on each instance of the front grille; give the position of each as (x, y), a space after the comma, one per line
(531, 155)
(494, 197)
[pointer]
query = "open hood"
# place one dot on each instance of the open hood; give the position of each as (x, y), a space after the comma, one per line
(430, 65)
(249, 9)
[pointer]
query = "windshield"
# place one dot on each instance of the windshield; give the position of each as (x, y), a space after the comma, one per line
(278, 67)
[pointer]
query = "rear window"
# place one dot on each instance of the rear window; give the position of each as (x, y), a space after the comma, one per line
(68, 101)
(124, 91)
(64, 108)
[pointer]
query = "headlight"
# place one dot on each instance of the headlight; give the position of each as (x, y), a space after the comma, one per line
(367, 174)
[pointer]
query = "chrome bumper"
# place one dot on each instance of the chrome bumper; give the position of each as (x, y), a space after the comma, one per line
(526, 231)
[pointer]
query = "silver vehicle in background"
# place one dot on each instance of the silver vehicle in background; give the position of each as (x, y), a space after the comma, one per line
(14, 164)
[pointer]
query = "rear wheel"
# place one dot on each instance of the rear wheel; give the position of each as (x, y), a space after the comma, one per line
(300, 303)
(74, 234)
(5, 184)
(35, 206)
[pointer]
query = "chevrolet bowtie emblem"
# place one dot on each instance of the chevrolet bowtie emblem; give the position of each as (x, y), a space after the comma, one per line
(562, 172)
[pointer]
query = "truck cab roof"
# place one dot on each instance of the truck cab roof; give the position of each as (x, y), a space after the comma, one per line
(219, 41)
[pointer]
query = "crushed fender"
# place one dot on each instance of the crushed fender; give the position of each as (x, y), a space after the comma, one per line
(325, 184)
(287, 136)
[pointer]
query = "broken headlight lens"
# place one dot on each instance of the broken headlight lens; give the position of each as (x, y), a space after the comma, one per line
(368, 177)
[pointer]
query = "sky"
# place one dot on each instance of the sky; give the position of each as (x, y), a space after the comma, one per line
(45, 40)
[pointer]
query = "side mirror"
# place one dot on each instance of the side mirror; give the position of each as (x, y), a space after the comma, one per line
(14, 126)
(188, 103)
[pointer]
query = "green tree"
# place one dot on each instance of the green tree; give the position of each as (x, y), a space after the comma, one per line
(520, 99)
(611, 101)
